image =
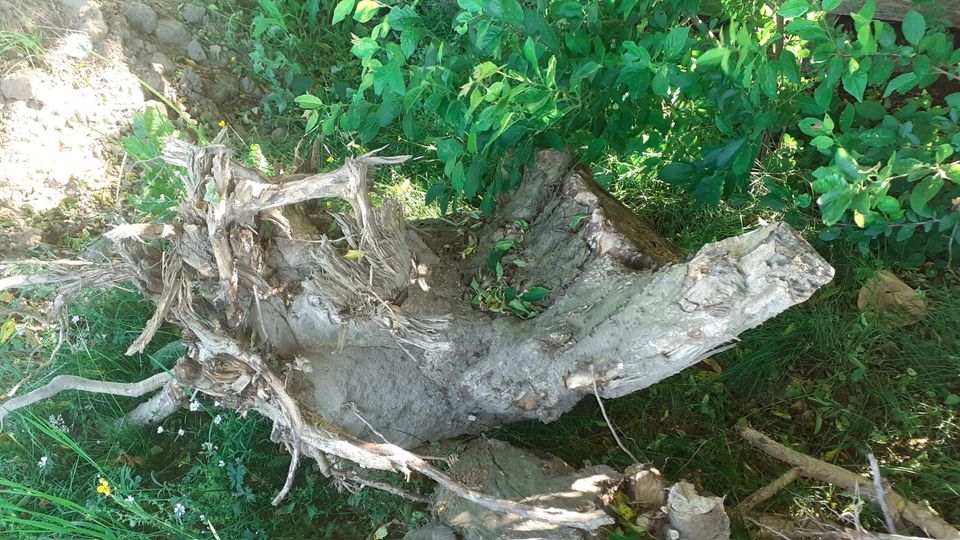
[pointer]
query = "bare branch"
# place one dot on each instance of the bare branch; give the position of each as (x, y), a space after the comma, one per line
(810, 467)
(766, 492)
(70, 382)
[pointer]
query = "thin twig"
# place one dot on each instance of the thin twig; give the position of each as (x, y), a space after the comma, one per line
(603, 411)
(382, 486)
(881, 496)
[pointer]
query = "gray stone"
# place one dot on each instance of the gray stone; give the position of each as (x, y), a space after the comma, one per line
(166, 65)
(247, 85)
(18, 87)
(172, 32)
(278, 135)
(193, 14)
(77, 46)
(141, 17)
(501, 470)
(223, 89)
(94, 25)
(195, 51)
(430, 531)
(215, 50)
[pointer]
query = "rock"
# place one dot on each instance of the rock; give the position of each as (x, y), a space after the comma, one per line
(94, 25)
(223, 89)
(195, 51)
(172, 32)
(193, 14)
(141, 17)
(18, 87)
(215, 50)
(278, 135)
(430, 531)
(519, 475)
(166, 65)
(77, 46)
(247, 85)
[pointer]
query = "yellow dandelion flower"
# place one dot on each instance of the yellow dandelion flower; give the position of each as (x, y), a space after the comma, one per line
(329, 159)
(221, 123)
(104, 487)
(233, 58)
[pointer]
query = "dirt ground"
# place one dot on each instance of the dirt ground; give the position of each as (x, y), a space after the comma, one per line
(72, 73)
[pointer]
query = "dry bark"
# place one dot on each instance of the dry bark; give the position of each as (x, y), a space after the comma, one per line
(343, 328)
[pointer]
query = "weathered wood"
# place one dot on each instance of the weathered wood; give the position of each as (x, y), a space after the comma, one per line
(947, 11)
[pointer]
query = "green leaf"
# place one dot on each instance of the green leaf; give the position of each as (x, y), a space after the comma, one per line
(709, 190)
(308, 101)
(712, 57)
(793, 8)
(535, 294)
(888, 204)
(366, 10)
(434, 192)
(473, 6)
(789, 66)
(449, 149)
(914, 27)
(512, 12)
(676, 41)
(923, 192)
(822, 142)
(364, 48)
(815, 126)
(660, 84)
(677, 173)
(834, 204)
(855, 83)
(878, 137)
(530, 53)
(344, 8)
(830, 5)
(952, 171)
(847, 164)
(898, 82)
(409, 38)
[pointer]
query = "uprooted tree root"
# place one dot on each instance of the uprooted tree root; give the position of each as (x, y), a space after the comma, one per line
(209, 282)
(325, 322)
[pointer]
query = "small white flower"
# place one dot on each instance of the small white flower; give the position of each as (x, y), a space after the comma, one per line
(181, 432)
(159, 429)
(42, 464)
(128, 498)
(75, 319)
(217, 419)
(221, 463)
(203, 517)
(179, 510)
(216, 403)
(194, 405)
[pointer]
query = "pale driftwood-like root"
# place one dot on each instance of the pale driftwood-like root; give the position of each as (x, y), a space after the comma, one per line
(810, 467)
(69, 382)
(156, 409)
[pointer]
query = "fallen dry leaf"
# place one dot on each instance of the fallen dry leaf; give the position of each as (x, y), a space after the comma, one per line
(894, 302)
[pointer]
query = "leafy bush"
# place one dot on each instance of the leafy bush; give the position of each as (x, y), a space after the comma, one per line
(730, 108)
(161, 189)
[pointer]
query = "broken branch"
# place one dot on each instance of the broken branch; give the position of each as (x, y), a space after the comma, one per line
(811, 467)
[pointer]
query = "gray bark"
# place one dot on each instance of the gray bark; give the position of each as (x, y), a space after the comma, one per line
(344, 329)
(619, 311)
